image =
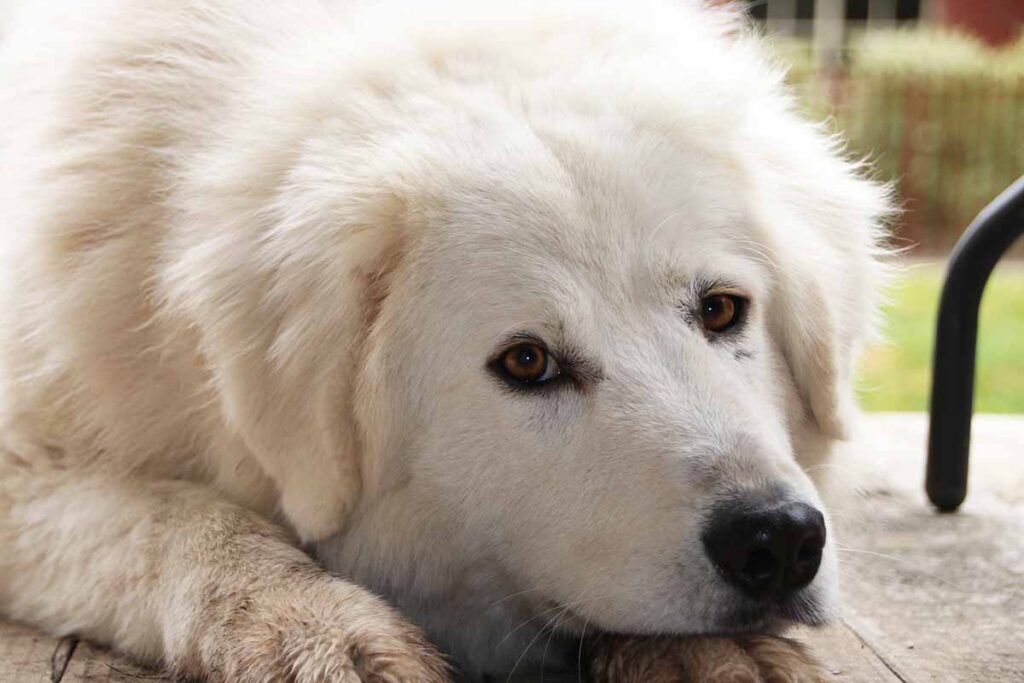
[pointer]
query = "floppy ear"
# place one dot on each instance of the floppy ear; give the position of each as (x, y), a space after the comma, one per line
(282, 298)
(823, 223)
(818, 354)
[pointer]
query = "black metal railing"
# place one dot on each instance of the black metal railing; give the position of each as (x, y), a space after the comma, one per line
(975, 255)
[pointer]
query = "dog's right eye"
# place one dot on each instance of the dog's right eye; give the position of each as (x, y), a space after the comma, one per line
(526, 363)
(721, 312)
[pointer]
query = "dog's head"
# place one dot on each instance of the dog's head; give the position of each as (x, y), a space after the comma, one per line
(583, 331)
(609, 365)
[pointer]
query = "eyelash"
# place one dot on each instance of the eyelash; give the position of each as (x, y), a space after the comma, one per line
(706, 287)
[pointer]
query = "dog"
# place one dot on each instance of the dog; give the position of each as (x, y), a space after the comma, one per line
(336, 332)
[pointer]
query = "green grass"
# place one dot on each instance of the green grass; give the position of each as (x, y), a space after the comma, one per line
(896, 375)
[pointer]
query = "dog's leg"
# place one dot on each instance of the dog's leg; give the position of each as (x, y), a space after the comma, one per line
(168, 572)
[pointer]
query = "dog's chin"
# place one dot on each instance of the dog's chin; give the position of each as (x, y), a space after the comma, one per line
(745, 617)
(750, 617)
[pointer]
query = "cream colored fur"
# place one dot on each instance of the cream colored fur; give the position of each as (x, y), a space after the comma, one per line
(255, 257)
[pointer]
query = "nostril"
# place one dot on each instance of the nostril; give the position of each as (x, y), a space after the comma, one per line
(808, 554)
(807, 560)
(812, 544)
(760, 569)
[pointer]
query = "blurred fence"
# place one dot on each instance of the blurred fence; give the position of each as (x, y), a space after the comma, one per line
(950, 138)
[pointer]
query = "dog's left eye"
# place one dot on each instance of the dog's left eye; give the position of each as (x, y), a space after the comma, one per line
(721, 312)
(527, 363)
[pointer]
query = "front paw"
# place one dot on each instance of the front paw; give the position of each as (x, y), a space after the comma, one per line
(753, 659)
(333, 633)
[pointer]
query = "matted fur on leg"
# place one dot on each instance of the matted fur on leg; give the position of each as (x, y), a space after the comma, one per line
(706, 659)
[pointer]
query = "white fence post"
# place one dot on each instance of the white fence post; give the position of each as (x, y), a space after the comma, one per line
(781, 17)
(881, 13)
(829, 29)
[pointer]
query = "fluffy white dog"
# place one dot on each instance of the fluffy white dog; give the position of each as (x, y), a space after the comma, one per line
(523, 315)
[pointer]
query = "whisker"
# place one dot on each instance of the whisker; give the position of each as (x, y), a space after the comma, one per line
(663, 222)
(518, 593)
(551, 633)
(530, 645)
(524, 623)
(554, 622)
(900, 560)
(829, 466)
(579, 653)
(847, 514)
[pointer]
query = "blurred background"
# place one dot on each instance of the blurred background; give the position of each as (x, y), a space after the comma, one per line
(932, 93)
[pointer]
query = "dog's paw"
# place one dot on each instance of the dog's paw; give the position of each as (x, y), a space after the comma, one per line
(783, 660)
(340, 634)
(754, 659)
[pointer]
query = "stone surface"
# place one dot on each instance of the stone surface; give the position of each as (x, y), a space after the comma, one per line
(928, 597)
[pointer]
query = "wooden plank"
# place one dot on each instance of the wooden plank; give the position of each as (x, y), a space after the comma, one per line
(27, 656)
(927, 597)
(939, 597)
(24, 654)
(91, 664)
(846, 656)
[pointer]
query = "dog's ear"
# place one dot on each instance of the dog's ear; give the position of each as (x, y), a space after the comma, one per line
(827, 226)
(282, 298)
(815, 347)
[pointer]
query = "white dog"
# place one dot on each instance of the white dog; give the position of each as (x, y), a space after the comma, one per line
(523, 315)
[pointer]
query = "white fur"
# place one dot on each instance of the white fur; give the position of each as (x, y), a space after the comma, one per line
(266, 250)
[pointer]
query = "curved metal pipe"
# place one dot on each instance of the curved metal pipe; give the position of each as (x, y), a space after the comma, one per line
(973, 258)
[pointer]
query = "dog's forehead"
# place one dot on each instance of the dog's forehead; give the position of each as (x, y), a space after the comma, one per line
(600, 210)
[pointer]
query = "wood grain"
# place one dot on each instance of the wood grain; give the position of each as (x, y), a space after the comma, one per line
(24, 654)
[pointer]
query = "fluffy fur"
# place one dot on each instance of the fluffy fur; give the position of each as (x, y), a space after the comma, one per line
(256, 257)
(708, 660)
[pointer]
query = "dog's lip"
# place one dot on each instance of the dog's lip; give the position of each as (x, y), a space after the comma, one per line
(774, 616)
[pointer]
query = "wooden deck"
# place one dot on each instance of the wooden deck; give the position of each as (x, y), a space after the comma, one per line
(928, 597)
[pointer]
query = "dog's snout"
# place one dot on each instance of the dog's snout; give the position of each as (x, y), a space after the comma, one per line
(767, 552)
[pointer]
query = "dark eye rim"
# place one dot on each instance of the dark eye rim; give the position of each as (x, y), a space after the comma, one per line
(497, 367)
(741, 305)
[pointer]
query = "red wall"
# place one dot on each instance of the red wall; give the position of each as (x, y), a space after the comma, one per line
(995, 21)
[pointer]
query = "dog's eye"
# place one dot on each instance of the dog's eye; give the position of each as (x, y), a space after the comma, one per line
(527, 363)
(721, 312)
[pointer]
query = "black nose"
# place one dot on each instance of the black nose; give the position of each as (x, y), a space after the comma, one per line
(766, 552)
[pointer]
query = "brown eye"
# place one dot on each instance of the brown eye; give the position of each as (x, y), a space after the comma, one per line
(720, 312)
(527, 363)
